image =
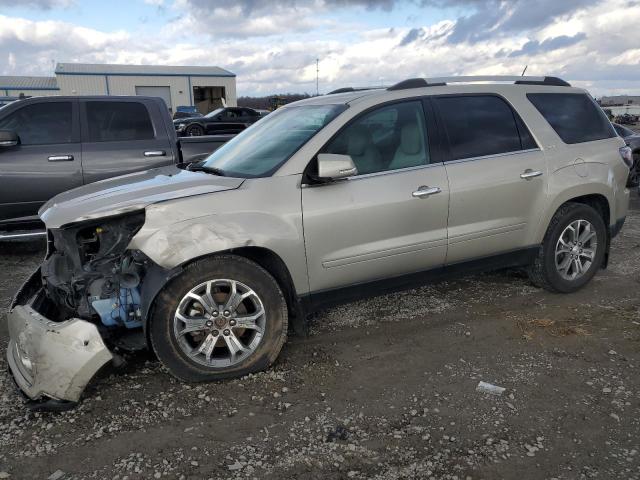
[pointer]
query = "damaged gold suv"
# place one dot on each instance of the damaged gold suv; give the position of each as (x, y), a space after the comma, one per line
(336, 197)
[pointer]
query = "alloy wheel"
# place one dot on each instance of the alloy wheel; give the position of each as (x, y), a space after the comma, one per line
(219, 323)
(576, 249)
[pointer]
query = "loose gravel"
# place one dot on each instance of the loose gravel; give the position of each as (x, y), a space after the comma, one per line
(381, 389)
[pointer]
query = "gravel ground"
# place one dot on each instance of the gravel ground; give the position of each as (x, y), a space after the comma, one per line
(381, 389)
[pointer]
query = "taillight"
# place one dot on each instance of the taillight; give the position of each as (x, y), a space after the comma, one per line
(627, 156)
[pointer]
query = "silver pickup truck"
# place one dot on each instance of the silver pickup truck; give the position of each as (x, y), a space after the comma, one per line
(52, 144)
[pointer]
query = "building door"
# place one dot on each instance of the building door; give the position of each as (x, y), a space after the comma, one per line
(162, 92)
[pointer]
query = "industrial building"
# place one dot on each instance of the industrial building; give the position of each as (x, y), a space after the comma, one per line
(206, 88)
(620, 100)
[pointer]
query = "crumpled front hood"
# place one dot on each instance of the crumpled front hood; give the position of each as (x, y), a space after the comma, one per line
(129, 193)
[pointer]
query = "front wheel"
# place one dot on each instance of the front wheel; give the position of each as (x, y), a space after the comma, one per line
(572, 251)
(223, 317)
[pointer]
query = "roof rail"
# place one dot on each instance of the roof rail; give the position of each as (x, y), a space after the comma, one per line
(352, 89)
(440, 81)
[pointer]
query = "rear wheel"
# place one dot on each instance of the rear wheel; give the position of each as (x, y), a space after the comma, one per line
(222, 317)
(195, 130)
(572, 251)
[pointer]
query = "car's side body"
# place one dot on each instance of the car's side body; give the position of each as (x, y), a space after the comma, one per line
(427, 201)
(482, 222)
(222, 121)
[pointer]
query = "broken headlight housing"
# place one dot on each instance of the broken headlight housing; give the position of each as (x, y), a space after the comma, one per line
(90, 274)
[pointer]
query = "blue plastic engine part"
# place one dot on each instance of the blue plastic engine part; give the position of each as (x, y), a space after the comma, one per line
(123, 311)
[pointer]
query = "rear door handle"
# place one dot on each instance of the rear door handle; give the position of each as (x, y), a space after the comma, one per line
(61, 158)
(528, 174)
(155, 153)
(425, 191)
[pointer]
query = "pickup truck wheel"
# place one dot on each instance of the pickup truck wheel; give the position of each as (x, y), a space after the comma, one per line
(223, 317)
(572, 251)
(195, 130)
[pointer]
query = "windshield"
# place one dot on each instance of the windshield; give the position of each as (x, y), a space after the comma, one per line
(623, 131)
(260, 149)
(214, 113)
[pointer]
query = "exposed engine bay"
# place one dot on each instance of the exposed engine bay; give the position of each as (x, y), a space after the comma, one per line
(89, 274)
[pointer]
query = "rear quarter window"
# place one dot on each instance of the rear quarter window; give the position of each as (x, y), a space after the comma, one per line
(575, 117)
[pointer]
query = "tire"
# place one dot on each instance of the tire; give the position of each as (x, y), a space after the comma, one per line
(544, 272)
(194, 131)
(185, 355)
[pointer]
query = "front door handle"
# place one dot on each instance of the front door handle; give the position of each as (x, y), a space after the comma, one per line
(425, 191)
(155, 153)
(528, 174)
(61, 158)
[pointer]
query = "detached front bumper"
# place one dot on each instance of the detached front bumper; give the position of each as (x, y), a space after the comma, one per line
(53, 359)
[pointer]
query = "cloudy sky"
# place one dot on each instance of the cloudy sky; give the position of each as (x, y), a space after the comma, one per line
(272, 46)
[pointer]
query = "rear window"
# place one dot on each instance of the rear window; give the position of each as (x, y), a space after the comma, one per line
(118, 121)
(574, 116)
(480, 125)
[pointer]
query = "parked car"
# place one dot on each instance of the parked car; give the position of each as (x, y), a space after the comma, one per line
(632, 139)
(186, 111)
(52, 144)
(222, 120)
(325, 200)
(626, 118)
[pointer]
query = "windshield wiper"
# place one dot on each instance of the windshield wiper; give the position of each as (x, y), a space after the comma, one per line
(203, 168)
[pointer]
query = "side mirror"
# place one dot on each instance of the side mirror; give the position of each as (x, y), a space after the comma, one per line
(332, 166)
(219, 117)
(8, 138)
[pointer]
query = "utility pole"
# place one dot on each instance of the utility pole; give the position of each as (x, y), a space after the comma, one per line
(317, 76)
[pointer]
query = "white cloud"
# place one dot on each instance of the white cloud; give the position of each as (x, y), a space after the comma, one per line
(273, 48)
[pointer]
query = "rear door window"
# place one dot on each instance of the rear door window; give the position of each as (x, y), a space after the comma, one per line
(481, 125)
(118, 121)
(575, 117)
(42, 123)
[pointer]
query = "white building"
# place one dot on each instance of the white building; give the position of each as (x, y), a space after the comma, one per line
(203, 87)
(620, 100)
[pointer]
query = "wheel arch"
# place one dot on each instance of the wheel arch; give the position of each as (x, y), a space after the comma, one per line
(600, 203)
(596, 198)
(596, 201)
(266, 258)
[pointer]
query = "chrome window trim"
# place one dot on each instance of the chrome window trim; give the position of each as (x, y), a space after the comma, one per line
(494, 155)
(397, 170)
(374, 174)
